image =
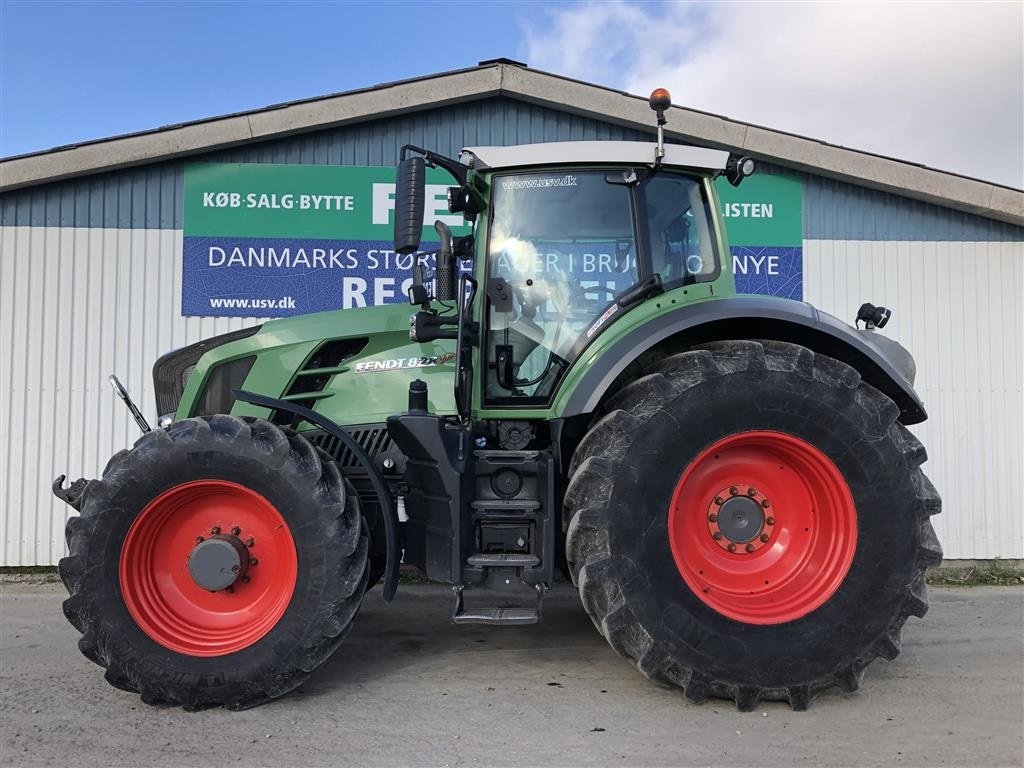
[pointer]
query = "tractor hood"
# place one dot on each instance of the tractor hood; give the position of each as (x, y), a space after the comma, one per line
(354, 366)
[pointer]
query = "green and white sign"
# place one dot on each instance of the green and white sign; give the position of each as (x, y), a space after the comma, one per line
(310, 201)
(277, 240)
(764, 222)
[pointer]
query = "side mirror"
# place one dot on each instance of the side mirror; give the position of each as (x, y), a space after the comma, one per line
(410, 195)
(418, 291)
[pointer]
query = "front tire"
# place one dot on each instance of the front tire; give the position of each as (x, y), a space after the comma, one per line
(218, 562)
(750, 521)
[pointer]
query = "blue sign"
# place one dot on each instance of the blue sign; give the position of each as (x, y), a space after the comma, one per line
(281, 277)
(769, 270)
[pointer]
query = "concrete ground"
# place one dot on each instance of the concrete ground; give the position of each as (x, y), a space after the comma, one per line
(408, 688)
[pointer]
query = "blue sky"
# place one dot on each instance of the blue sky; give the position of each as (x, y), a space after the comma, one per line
(83, 70)
(939, 83)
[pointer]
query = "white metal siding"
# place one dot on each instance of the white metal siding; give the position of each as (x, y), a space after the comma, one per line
(77, 304)
(959, 308)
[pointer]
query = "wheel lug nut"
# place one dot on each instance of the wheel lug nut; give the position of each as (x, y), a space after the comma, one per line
(229, 589)
(717, 535)
(199, 539)
(734, 490)
(713, 518)
(766, 503)
(215, 530)
(253, 561)
(719, 500)
(250, 541)
(764, 537)
(235, 531)
(732, 547)
(751, 492)
(750, 547)
(770, 521)
(246, 579)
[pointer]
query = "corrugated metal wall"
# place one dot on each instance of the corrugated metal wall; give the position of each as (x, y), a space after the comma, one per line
(75, 305)
(957, 307)
(90, 281)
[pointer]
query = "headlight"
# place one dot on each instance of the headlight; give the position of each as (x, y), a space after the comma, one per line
(171, 372)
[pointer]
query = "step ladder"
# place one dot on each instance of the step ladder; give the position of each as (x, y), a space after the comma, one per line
(503, 560)
(511, 527)
(498, 616)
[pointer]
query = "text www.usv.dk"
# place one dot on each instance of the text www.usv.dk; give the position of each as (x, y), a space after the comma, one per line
(285, 302)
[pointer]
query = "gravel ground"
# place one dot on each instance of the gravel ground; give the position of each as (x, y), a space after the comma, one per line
(408, 688)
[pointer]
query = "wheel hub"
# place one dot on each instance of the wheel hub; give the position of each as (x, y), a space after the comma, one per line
(738, 519)
(218, 562)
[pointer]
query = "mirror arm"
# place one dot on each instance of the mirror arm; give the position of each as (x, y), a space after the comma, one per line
(458, 171)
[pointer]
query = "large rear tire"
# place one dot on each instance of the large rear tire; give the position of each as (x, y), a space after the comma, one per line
(218, 562)
(750, 521)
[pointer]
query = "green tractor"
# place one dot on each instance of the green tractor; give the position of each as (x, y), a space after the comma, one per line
(727, 480)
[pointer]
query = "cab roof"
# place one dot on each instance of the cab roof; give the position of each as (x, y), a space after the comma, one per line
(592, 153)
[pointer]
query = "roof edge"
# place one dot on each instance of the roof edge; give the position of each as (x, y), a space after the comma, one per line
(790, 150)
(178, 141)
(501, 77)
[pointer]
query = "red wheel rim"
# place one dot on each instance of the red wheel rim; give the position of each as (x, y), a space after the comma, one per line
(788, 514)
(158, 588)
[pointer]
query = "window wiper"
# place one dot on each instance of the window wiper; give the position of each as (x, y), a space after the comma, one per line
(642, 290)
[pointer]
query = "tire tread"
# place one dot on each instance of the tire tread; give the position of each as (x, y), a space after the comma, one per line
(598, 460)
(286, 451)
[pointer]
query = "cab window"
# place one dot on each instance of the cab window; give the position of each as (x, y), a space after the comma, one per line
(679, 234)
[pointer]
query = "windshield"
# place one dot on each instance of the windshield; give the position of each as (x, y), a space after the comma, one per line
(562, 246)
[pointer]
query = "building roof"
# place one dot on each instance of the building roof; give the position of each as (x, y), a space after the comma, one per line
(503, 77)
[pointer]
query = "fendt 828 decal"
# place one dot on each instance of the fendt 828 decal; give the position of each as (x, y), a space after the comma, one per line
(396, 364)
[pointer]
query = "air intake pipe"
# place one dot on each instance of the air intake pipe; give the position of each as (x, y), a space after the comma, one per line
(445, 274)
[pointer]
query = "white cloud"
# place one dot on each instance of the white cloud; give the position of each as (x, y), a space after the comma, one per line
(935, 83)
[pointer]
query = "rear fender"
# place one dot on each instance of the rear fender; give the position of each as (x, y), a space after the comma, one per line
(881, 362)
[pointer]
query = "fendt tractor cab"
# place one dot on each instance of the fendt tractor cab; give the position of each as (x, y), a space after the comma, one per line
(727, 480)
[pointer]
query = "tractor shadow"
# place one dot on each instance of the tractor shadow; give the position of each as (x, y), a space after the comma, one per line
(410, 650)
(415, 632)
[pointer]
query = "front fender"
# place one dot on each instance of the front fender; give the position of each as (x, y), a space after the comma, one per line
(881, 362)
